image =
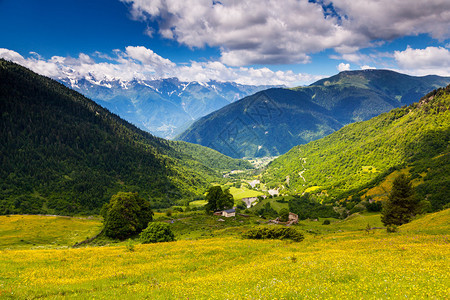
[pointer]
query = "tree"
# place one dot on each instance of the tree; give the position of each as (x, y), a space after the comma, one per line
(125, 215)
(156, 233)
(218, 199)
(401, 205)
(226, 201)
(284, 215)
(267, 211)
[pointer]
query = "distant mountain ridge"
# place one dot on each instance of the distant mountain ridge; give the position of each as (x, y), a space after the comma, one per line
(163, 107)
(273, 121)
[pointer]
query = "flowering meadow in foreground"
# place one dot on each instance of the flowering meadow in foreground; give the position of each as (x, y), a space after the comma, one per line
(343, 265)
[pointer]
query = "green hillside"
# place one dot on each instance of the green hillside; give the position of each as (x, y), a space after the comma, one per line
(62, 153)
(210, 158)
(414, 139)
(271, 122)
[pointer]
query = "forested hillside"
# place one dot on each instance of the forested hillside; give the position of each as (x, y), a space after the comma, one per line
(62, 153)
(414, 139)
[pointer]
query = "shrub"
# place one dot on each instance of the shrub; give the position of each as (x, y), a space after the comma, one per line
(391, 228)
(280, 233)
(129, 246)
(157, 232)
(178, 209)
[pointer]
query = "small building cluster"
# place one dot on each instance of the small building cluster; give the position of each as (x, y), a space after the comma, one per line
(293, 219)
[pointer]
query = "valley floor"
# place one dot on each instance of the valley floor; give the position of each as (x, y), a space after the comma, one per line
(349, 264)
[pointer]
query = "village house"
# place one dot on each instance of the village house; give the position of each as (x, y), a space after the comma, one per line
(293, 219)
(229, 213)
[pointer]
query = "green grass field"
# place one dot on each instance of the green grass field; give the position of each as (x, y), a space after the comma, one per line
(243, 192)
(23, 232)
(273, 203)
(339, 260)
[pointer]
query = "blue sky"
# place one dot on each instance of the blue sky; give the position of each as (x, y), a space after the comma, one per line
(291, 42)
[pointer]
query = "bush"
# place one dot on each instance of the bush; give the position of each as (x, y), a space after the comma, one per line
(391, 228)
(129, 246)
(326, 222)
(178, 209)
(157, 232)
(280, 233)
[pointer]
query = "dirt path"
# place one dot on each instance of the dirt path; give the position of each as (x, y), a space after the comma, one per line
(304, 169)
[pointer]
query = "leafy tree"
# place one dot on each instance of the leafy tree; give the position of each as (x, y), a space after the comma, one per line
(241, 205)
(218, 199)
(306, 207)
(284, 215)
(125, 215)
(157, 232)
(401, 205)
(267, 211)
(226, 201)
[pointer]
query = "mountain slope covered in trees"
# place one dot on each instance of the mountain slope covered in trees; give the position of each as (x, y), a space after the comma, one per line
(413, 139)
(62, 153)
(273, 121)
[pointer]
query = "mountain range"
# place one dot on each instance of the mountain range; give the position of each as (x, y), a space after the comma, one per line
(357, 160)
(163, 107)
(271, 122)
(62, 153)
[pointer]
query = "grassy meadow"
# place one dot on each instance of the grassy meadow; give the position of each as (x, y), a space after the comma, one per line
(339, 260)
(34, 231)
(244, 192)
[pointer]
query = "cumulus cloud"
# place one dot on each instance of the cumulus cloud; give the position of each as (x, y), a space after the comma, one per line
(343, 67)
(247, 32)
(288, 31)
(390, 19)
(143, 64)
(431, 60)
(367, 67)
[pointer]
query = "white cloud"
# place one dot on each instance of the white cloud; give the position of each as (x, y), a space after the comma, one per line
(389, 19)
(143, 64)
(288, 31)
(431, 60)
(247, 32)
(366, 67)
(343, 67)
(12, 55)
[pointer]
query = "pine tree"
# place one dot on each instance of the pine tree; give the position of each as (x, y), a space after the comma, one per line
(401, 205)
